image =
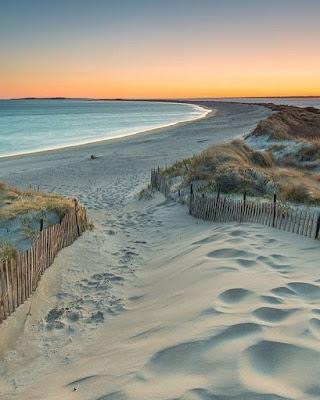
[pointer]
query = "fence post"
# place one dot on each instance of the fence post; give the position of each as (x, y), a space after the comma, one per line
(274, 209)
(191, 199)
(76, 215)
(41, 224)
(243, 206)
(317, 227)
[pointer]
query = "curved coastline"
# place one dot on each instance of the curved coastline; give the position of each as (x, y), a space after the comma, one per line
(206, 112)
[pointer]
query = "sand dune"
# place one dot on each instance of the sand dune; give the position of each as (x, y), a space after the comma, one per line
(154, 304)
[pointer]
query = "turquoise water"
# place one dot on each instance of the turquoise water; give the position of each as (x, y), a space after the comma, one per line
(28, 126)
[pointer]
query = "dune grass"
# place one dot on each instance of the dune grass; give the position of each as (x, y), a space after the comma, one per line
(14, 202)
(311, 151)
(7, 250)
(290, 123)
(146, 193)
(236, 168)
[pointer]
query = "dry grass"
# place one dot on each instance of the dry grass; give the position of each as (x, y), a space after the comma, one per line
(14, 202)
(291, 123)
(7, 251)
(235, 167)
(146, 193)
(304, 157)
(232, 167)
(297, 194)
(298, 186)
(310, 152)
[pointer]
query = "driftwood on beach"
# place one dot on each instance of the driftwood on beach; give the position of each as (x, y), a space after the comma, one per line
(19, 276)
(220, 208)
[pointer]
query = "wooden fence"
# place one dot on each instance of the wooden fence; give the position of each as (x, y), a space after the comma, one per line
(219, 208)
(20, 275)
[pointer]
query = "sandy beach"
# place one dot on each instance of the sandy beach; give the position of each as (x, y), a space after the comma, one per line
(153, 304)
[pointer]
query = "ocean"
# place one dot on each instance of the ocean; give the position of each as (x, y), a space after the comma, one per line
(28, 126)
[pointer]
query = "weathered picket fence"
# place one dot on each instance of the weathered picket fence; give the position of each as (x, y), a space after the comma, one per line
(20, 275)
(219, 208)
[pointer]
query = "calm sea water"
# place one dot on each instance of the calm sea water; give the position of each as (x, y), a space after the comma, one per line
(34, 125)
(298, 102)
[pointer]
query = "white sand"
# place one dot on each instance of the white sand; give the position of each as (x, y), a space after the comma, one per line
(154, 304)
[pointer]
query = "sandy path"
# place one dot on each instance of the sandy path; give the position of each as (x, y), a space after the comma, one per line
(153, 304)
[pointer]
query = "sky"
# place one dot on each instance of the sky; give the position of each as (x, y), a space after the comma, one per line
(159, 48)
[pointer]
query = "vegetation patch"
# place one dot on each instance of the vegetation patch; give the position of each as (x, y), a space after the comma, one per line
(14, 202)
(7, 250)
(290, 123)
(146, 193)
(235, 167)
(24, 213)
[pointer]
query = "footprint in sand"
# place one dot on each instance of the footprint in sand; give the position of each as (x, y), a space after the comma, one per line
(286, 368)
(307, 290)
(314, 325)
(188, 357)
(283, 291)
(243, 262)
(229, 253)
(271, 315)
(271, 300)
(234, 296)
(277, 266)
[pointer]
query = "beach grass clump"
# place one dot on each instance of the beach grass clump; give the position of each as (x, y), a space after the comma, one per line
(146, 193)
(7, 250)
(235, 167)
(311, 151)
(14, 202)
(90, 226)
(232, 167)
(299, 193)
(300, 154)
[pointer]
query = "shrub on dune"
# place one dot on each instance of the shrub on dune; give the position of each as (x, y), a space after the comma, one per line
(236, 168)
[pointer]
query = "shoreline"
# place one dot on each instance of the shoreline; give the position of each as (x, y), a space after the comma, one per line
(207, 112)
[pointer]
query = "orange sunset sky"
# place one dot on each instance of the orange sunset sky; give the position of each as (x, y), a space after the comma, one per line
(159, 49)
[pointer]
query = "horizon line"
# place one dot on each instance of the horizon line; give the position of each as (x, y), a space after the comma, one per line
(157, 98)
